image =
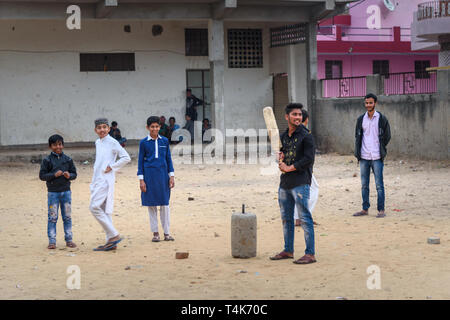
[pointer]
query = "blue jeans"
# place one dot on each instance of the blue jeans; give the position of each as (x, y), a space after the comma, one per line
(377, 168)
(56, 200)
(287, 199)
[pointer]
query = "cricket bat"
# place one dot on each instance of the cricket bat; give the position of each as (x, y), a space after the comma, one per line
(272, 130)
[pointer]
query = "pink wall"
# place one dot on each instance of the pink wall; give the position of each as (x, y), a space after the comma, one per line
(354, 65)
(358, 62)
(402, 16)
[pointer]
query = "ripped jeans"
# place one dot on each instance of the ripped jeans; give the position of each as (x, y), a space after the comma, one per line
(56, 200)
(287, 199)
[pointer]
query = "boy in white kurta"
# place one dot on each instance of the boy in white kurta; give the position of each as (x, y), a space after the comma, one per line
(314, 188)
(107, 150)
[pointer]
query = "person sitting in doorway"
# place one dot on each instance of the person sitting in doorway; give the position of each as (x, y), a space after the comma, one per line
(115, 133)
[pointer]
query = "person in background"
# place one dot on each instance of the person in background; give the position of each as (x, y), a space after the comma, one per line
(189, 126)
(192, 102)
(164, 131)
(372, 134)
(173, 127)
(205, 127)
(115, 133)
(314, 189)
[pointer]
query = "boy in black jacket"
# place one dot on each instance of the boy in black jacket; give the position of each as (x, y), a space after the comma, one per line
(296, 164)
(57, 170)
(372, 134)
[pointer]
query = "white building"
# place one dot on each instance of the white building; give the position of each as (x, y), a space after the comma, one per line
(430, 29)
(135, 58)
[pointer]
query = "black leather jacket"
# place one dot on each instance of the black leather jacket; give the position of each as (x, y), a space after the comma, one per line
(50, 165)
(384, 135)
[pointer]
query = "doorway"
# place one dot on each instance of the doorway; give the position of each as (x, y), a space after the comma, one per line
(280, 100)
(198, 81)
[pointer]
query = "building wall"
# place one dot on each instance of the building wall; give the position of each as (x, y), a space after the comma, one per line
(419, 124)
(42, 91)
(354, 65)
(248, 91)
(402, 16)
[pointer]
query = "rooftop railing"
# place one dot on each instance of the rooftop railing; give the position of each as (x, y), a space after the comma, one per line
(433, 9)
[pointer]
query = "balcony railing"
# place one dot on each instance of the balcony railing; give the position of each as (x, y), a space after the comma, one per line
(344, 87)
(433, 9)
(422, 82)
(409, 83)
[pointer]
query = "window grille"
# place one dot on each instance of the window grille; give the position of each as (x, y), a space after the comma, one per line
(286, 35)
(245, 48)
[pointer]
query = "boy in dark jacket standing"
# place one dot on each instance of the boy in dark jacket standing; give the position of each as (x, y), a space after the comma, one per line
(372, 135)
(57, 170)
(296, 164)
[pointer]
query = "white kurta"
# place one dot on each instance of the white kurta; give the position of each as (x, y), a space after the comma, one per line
(107, 150)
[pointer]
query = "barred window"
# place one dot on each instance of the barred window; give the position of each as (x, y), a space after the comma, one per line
(381, 67)
(420, 68)
(333, 69)
(196, 42)
(245, 48)
(103, 62)
(286, 35)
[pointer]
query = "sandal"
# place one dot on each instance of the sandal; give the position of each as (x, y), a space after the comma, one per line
(281, 256)
(156, 239)
(106, 247)
(112, 245)
(168, 238)
(51, 246)
(360, 213)
(71, 244)
(381, 215)
(306, 259)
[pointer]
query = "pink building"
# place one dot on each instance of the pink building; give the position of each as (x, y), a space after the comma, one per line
(373, 38)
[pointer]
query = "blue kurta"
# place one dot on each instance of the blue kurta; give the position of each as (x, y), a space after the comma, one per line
(155, 166)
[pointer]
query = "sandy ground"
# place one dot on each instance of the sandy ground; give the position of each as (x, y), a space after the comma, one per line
(417, 205)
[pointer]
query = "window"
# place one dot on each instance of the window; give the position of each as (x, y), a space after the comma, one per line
(196, 42)
(245, 48)
(287, 35)
(420, 68)
(198, 82)
(381, 67)
(333, 69)
(106, 62)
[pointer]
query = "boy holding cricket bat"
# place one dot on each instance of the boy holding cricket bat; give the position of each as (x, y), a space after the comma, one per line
(296, 163)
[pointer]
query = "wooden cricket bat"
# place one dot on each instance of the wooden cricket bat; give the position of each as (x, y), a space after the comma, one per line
(272, 129)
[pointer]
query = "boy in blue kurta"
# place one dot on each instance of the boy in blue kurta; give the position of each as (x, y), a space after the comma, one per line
(156, 177)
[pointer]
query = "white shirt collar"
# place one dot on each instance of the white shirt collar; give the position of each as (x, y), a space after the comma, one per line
(104, 138)
(150, 138)
(375, 114)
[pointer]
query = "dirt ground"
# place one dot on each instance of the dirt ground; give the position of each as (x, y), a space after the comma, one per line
(417, 207)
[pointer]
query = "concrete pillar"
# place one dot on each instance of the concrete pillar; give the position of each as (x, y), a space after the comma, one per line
(374, 84)
(311, 67)
(243, 235)
(216, 46)
(297, 74)
(443, 94)
(444, 53)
